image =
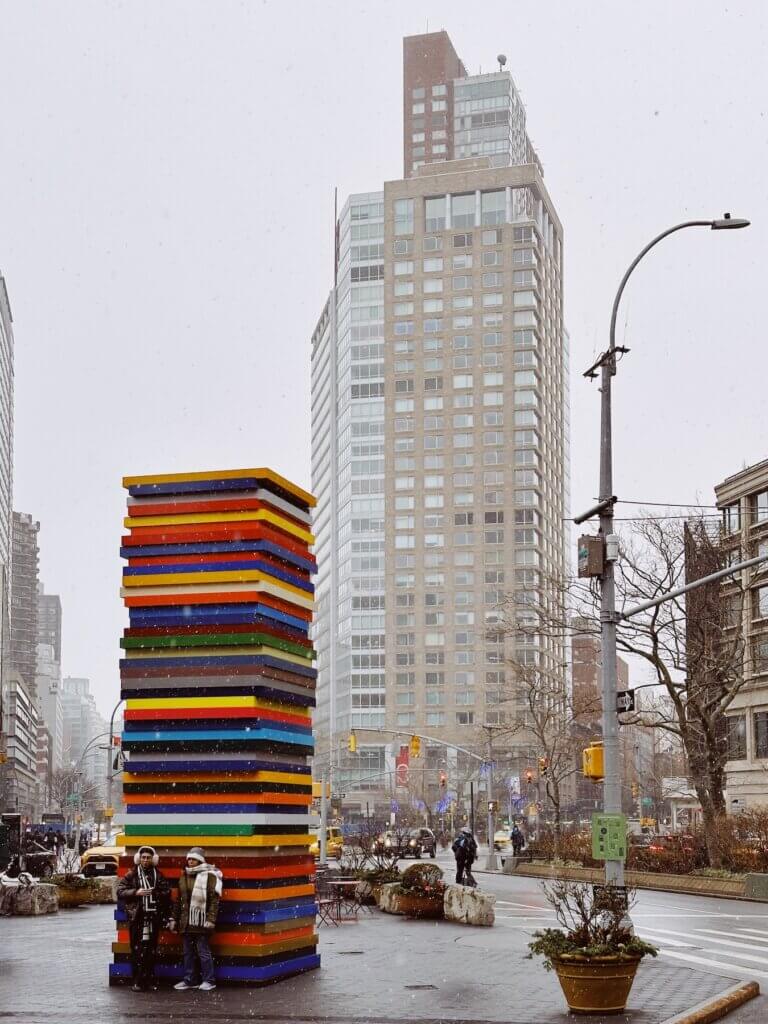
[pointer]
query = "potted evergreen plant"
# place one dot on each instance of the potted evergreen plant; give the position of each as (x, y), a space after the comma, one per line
(74, 889)
(595, 953)
(421, 891)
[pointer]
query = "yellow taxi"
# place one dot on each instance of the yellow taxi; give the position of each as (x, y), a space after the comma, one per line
(501, 840)
(103, 860)
(334, 841)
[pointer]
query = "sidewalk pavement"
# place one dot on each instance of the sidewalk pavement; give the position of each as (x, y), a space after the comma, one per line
(378, 970)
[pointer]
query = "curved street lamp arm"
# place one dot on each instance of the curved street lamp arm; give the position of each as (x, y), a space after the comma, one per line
(636, 260)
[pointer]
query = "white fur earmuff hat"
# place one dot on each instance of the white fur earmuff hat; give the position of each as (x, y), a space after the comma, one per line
(146, 849)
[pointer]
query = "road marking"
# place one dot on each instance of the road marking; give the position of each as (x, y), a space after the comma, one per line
(713, 931)
(719, 966)
(719, 942)
(754, 931)
(659, 936)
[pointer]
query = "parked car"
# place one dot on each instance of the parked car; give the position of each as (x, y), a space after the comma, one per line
(334, 841)
(672, 843)
(419, 842)
(103, 860)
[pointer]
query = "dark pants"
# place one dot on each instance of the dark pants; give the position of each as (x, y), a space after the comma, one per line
(143, 954)
(197, 951)
(464, 874)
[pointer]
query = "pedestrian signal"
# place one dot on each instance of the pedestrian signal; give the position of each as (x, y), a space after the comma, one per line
(352, 743)
(415, 746)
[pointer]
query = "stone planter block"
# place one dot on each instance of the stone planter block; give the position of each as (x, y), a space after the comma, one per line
(465, 905)
(388, 898)
(35, 900)
(105, 890)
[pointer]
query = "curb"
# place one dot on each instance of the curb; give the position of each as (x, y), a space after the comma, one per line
(719, 1006)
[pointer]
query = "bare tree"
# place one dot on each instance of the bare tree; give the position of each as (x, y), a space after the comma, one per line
(692, 644)
(553, 719)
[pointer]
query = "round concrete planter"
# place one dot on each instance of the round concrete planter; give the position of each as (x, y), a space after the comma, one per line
(597, 985)
(420, 906)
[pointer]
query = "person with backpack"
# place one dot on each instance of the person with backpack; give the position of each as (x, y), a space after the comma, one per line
(465, 851)
(517, 839)
(200, 887)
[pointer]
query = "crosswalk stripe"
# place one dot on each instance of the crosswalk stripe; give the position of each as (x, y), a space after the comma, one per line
(717, 964)
(691, 936)
(753, 931)
(736, 934)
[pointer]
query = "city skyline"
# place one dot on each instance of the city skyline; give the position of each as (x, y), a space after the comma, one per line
(137, 279)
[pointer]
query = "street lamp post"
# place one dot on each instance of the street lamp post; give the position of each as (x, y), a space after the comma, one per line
(614, 869)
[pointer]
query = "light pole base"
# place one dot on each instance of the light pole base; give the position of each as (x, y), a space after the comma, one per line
(491, 861)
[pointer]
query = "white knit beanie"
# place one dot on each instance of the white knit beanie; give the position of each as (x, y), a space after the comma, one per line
(196, 853)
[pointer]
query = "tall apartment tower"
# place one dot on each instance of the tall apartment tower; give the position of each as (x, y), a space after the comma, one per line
(25, 583)
(440, 434)
(6, 431)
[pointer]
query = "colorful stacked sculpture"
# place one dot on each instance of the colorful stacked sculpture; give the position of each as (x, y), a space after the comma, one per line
(218, 679)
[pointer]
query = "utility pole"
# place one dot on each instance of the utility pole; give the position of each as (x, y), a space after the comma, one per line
(614, 868)
(323, 822)
(491, 863)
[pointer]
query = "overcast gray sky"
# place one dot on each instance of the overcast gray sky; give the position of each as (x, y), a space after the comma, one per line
(166, 197)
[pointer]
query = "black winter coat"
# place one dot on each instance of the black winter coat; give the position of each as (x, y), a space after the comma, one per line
(126, 894)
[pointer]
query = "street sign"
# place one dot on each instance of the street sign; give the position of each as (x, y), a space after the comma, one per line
(609, 836)
(625, 700)
(109, 812)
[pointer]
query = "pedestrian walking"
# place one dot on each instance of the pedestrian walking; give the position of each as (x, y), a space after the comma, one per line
(465, 851)
(518, 840)
(146, 896)
(195, 915)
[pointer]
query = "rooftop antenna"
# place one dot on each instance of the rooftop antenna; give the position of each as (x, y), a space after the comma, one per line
(502, 59)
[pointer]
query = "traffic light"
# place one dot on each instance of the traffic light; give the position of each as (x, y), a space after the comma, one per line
(528, 775)
(543, 765)
(635, 791)
(352, 743)
(592, 762)
(443, 780)
(415, 746)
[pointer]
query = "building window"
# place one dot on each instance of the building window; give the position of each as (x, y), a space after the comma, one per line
(419, 94)
(465, 717)
(760, 603)
(462, 241)
(439, 90)
(402, 247)
(492, 237)
(732, 518)
(438, 105)
(404, 216)
(760, 719)
(417, 108)
(434, 211)
(493, 207)
(760, 654)
(432, 243)
(737, 737)
(463, 211)
(761, 507)
(432, 264)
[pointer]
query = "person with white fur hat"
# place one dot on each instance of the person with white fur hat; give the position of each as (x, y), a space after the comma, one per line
(145, 893)
(195, 913)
